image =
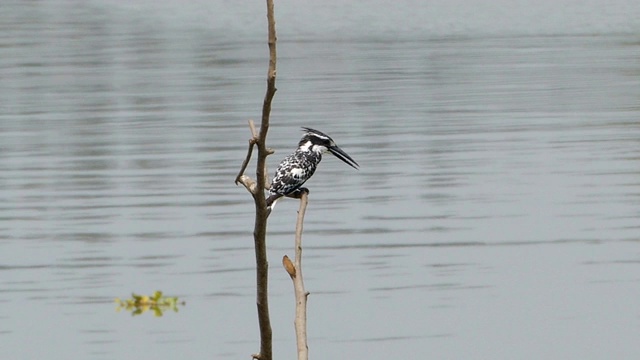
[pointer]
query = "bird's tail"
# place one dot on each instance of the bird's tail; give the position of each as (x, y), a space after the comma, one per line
(272, 200)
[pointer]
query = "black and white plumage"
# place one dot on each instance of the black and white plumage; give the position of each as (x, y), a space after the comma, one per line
(298, 167)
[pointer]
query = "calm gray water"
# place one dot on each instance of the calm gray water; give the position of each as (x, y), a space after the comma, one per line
(496, 214)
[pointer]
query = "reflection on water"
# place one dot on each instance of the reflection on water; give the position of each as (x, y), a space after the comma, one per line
(497, 201)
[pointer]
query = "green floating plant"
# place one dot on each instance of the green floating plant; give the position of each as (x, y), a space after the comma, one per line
(139, 304)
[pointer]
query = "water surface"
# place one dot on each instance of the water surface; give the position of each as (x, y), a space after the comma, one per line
(495, 214)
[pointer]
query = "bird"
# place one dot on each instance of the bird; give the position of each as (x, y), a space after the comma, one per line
(297, 168)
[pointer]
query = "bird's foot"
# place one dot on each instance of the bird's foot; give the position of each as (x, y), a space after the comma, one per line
(297, 194)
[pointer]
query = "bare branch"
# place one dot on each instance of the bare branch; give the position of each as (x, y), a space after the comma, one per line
(252, 142)
(256, 189)
(248, 183)
(295, 271)
(252, 127)
(245, 163)
(260, 226)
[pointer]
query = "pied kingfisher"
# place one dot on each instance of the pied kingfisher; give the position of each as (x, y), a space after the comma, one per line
(298, 167)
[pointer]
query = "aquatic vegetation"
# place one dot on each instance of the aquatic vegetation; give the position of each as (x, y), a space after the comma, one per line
(139, 304)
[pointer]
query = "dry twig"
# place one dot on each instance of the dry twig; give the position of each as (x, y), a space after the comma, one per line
(295, 271)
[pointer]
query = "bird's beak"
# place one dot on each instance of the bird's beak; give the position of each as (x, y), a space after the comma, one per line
(335, 150)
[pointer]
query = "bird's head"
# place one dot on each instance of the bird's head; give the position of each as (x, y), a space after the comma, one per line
(317, 141)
